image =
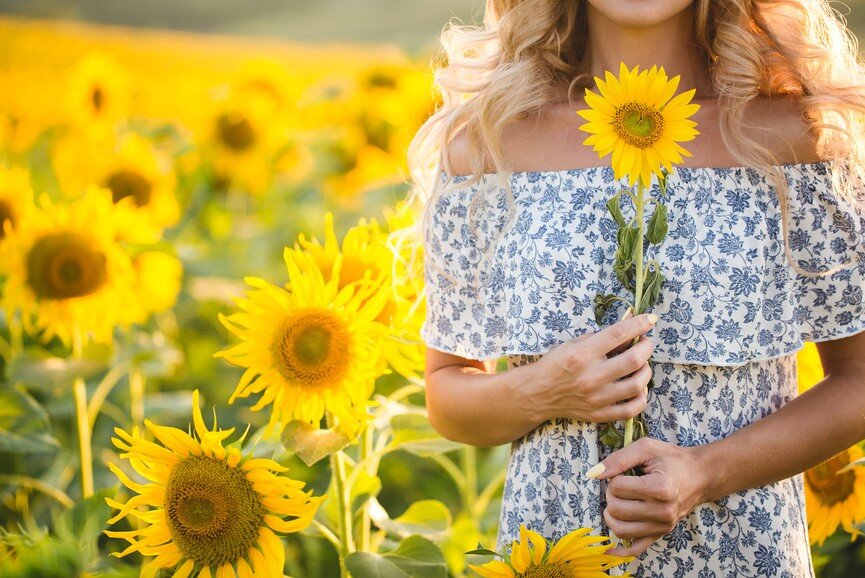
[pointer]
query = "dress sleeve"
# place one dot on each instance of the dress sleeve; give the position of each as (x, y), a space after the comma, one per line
(827, 236)
(455, 314)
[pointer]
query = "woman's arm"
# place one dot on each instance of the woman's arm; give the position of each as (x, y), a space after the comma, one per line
(811, 428)
(468, 402)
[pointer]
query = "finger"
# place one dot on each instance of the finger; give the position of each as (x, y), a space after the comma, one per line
(637, 547)
(624, 331)
(628, 361)
(627, 388)
(620, 411)
(624, 346)
(620, 461)
(635, 510)
(630, 487)
(634, 530)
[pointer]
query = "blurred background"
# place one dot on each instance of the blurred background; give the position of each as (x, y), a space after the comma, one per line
(247, 121)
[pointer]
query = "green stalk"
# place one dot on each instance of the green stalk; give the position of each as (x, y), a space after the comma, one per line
(638, 291)
(337, 467)
(85, 450)
(365, 451)
(470, 471)
(136, 396)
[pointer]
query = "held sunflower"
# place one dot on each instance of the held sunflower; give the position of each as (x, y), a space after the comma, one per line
(213, 511)
(312, 348)
(578, 554)
(833, 497)
(638, 120)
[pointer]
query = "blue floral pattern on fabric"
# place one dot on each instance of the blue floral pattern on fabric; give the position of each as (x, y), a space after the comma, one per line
(733, 312)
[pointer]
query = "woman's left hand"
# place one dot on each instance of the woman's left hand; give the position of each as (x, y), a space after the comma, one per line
(644, 508)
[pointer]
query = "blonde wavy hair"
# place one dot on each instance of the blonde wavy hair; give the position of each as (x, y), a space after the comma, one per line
(526, 51)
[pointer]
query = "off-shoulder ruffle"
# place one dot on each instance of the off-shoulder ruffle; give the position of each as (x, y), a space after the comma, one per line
(730, 298)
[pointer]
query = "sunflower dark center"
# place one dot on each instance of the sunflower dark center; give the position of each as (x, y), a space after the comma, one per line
(65, 265)
(829, 487)
(638, 125)
(213, 512)
(312, 348)
(97, 98)
(6, 214)
(127, 183)
(381, 79)
(235, 132)
(555, 570)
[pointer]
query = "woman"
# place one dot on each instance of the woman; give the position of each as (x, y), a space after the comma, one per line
(765, 251)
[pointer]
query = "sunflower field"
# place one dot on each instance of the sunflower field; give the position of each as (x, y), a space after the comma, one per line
(210, 361)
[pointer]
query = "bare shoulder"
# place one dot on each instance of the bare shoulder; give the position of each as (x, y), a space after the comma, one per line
(546, 140)
(784, 128)
(458, 155)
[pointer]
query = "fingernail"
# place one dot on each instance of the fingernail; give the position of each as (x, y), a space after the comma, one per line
(653, 318)
(596, 470)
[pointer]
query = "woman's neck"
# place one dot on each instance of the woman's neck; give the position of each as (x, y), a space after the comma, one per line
(671, 43)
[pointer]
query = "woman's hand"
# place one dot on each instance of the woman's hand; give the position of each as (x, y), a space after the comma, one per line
(644, 508)
(581, 381)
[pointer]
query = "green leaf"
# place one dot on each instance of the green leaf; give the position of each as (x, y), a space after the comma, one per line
(611, 437)
(662, 181)
(84, 522)
(371, 565)
(651, 289)
(415, 557)
(657, 228)
(624, 261)
(603, 302)
(428, 518)
(24, 425)
(480, 550)
(311, 443)
(615, 209)
(413, 433)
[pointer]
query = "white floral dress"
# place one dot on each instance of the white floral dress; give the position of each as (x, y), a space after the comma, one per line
(733, 313)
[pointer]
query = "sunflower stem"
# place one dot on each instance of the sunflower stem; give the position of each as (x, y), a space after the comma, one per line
(365, 451)
(638, 290)
(85, 452)
(343, 503)
(470, 481)
(136, 396)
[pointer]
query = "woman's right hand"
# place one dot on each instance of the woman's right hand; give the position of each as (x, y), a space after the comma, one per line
(585, 379)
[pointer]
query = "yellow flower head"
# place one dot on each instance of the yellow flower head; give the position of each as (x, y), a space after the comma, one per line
(577, 554)
(212, 510)
(130, 167)
(311, 348)
(66, 273)
(834, 498)
(638, 120)
(365, 250)
(98, 93)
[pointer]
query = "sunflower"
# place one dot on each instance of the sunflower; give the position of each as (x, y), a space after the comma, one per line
(66, 273)
(213, 511)
(809, 368)
(130, 167)
(637, 119)
(98, 93)
(312, 348)
(834, 498)
(572, 556)
(16, 197)
(241, 141)
(365, 249)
